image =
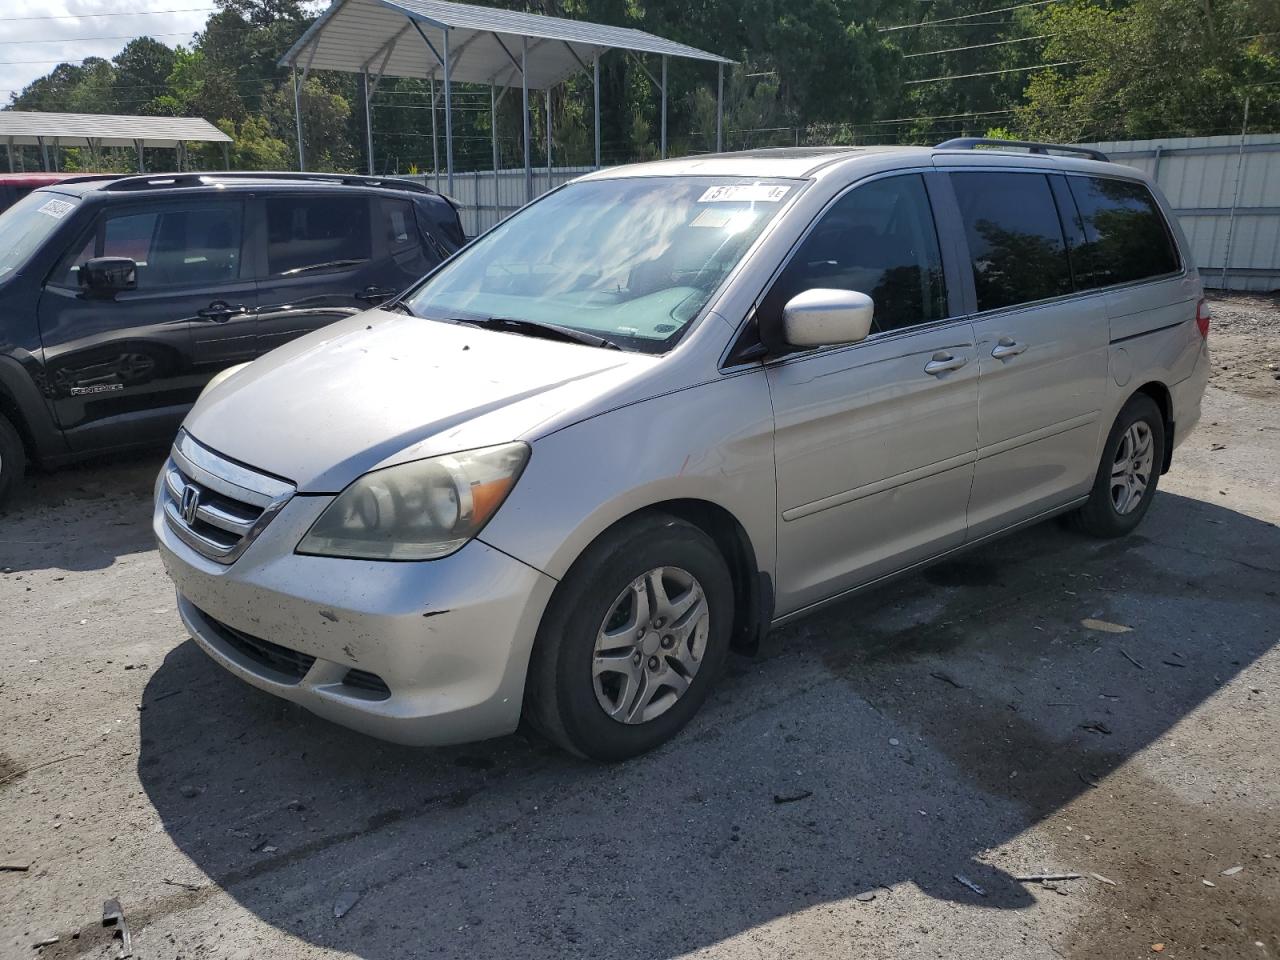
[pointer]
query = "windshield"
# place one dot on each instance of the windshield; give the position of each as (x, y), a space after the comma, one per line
(26, 225)
(631, 260)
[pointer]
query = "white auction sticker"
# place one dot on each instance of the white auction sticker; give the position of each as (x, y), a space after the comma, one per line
(744, 193)
(56, 208)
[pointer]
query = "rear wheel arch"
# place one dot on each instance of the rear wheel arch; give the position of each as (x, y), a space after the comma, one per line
(1158, 392)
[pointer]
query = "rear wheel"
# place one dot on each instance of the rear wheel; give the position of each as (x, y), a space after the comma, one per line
(1129, 472)
(13, 459)
(632, 640)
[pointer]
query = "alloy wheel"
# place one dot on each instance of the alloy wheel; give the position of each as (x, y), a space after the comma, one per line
(1131, 471)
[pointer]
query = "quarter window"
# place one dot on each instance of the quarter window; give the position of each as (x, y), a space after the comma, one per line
(1015, 237)
(878, 239)
(1125, 235)
(307, 234)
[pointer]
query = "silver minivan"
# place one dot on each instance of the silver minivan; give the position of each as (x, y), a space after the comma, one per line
(667, 406)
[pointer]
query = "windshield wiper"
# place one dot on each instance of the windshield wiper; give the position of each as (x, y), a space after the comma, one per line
(400, 306)
(536, 328)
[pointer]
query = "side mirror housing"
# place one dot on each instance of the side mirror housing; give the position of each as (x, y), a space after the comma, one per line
(821, 317)
(107, 276)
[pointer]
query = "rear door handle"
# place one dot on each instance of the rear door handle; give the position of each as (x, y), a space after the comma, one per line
(1006, 348)
(943, 363)
(220, 311)
(373, 294)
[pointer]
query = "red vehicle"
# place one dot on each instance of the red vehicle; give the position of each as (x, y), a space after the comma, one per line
(15, 186)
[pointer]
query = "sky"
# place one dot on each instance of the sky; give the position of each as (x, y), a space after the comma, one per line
(52, 31)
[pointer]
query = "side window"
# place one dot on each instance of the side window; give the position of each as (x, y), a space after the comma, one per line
(1125, 234)
(878, 239)
(1015, 237)
(314, 233)
(174, 245)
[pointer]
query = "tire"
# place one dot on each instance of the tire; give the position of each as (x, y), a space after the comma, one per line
(1108, 513)
(585, 691)
(13, 459)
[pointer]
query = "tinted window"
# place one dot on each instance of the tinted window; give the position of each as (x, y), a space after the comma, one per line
(174, 246)
(312, 233)
(1125, 236)
(878, 239)
(395, 221)
(1015, 237)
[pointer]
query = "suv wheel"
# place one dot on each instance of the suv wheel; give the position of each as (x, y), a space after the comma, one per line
(1129, 472)
(632, 641)
(13, 459)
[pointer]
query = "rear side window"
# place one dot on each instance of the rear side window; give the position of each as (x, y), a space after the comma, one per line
(309, 233)
(396, 223)
(1125, 234)
(1015, 237)
(878, 239)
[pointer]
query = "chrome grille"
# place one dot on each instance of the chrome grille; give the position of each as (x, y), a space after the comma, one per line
(215, 506)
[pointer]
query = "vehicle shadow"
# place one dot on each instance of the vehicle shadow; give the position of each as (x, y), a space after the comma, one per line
(900, 738)
(82, 517)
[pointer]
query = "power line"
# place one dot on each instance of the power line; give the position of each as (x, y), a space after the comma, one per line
(977, 46)
(145, 36)
(121, 13)
(966, 16)
(993, 73)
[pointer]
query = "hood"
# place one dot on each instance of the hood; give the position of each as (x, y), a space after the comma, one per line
(383, 388)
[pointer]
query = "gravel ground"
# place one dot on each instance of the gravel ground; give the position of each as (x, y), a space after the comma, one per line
(1046, 703)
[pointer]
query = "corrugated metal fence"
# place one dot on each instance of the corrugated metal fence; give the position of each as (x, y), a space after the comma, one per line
(486, 199)
(1227, 196)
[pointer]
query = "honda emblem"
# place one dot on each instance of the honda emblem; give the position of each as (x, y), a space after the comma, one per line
(190, 503)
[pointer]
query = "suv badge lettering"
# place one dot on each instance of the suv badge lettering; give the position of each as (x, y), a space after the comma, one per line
(96, 388)
(190, 503)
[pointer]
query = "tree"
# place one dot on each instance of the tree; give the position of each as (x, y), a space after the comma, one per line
(142, 72)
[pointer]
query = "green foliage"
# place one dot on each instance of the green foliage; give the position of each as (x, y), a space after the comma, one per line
(808, 71)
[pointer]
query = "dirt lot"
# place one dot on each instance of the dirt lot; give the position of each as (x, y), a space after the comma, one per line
(1045, 703)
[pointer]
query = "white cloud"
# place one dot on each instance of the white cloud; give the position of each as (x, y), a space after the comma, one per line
(30, 48)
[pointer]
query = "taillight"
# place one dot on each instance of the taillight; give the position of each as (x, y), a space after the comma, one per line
(1202, 317)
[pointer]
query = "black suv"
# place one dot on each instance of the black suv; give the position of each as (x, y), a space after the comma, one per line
(120, 297)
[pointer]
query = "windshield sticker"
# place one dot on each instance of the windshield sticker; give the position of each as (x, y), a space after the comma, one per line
(56, 208)
(744, 193)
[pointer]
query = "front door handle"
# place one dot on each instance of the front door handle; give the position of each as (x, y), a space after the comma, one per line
(220, 311)
(372, 294)
(943, 362)
(1006, 347)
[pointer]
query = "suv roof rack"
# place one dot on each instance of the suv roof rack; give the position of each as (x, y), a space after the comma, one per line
(1031, 146)
(154, 181)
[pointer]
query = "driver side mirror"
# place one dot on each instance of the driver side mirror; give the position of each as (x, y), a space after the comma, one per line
(107, 276)
(821, 317)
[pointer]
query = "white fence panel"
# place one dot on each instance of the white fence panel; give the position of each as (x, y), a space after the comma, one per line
(486, 199)
(1199, 176)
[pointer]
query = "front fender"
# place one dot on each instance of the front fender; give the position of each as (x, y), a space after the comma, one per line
(20, 396)
(711, 442)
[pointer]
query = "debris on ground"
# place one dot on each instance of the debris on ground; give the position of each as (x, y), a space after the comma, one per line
(342, 906)
(113, 916)
(1104, 626)
(14, 867)
(46, 942)
(1157, 948)
(190, 791)
(792, 797)
(1042, 877)
(971, 885)
(1101, 879)
(866, 896)
(1208, 883)
(1087, 779)
(193, 887)
(1131, 660)
(939, 675)
(1231, 871)
(1096, 726)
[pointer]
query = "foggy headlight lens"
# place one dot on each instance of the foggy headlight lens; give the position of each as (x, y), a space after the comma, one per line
(417, 511)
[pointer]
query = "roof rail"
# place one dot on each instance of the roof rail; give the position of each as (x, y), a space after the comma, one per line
(153, 181)
(1031, 146)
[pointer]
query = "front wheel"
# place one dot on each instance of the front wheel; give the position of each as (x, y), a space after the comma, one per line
(13, 459)
(1128, 474)
(632, 641)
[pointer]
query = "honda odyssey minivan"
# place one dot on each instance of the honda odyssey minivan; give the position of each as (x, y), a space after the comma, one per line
(667, 406)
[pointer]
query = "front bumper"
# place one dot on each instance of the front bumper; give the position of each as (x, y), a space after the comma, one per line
(449, 638)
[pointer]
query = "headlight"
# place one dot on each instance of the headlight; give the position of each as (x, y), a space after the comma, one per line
(417, 511)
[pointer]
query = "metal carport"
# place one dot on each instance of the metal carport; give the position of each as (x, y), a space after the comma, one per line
(457, 42)
(95, 131)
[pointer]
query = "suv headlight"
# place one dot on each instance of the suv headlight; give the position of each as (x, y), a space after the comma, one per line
(417, 511)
